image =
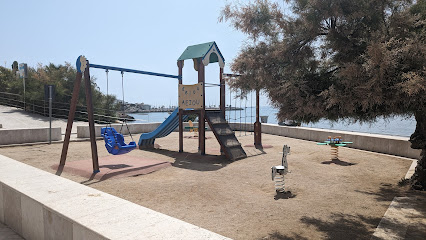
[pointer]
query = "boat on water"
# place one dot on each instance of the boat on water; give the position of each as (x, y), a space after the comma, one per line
(289, 123)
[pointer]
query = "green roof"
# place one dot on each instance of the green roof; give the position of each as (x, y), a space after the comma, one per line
(200, 51)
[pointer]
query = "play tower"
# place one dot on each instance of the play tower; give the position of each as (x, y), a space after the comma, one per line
(192, 101)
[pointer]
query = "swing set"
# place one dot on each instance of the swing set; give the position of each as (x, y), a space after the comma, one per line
(114, 141)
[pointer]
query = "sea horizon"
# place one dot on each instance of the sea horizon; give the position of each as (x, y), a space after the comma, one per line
(394, 126)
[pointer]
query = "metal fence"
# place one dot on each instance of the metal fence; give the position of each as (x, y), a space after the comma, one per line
(59, 109)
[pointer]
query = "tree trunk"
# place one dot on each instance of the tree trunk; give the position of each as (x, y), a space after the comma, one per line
(418, 141)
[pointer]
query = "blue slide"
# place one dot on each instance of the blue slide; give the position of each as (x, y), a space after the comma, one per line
(170, 124)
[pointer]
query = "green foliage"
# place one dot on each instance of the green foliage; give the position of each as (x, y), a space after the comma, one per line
(63, 77)
(336, 59)
(333, 58)
(191, 117)
(15, 66)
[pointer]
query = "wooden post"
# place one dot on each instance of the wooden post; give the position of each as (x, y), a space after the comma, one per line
(257, 124)
(201, 118)
(91, 119)
(180, 66)
(71, 116)
(222, 101)
(222, 93)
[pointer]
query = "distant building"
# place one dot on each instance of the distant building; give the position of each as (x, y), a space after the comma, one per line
(145, 107)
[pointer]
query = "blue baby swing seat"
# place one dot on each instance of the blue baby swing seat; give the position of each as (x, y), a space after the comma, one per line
(114, 141)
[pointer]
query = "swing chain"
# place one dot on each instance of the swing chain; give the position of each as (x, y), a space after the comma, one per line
(123, 108)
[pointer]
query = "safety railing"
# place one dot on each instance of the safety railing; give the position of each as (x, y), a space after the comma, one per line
(59, 109)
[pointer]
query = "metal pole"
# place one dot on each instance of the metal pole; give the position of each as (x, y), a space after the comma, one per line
(240, 112)
(133, 71)
(230, 105)
(50, 114)
(251, 109)
(24, 93)
(235, 108)
(245, 117)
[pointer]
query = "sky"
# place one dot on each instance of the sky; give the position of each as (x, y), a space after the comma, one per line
(142, 35)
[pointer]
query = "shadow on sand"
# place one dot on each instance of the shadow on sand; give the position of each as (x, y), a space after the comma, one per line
(284, 195)
(339, 162)
(194, 161)
(197, 162)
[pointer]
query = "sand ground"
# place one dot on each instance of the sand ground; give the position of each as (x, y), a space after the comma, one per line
(343, 199)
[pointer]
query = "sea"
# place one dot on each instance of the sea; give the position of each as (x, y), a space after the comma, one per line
(395, 126)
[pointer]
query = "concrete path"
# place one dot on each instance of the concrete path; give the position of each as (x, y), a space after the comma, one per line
(64, 209)
(403, 219)
(12, 118)
(7, 234)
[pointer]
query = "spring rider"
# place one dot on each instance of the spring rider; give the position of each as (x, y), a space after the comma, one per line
(278, 172)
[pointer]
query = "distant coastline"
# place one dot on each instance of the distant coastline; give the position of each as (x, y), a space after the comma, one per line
(397, 126)
(145, 108)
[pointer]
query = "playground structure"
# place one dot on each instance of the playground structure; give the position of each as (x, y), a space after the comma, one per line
(279, 171)
(335, 143)
(191, 101)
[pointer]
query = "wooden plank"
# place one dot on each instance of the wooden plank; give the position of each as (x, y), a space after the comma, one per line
(257, 124)
(89, 104)
(201, 118)
(71, 116)
(222, 100)
(180, 66)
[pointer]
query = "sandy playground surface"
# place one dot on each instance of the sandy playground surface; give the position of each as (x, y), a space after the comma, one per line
(329, 199)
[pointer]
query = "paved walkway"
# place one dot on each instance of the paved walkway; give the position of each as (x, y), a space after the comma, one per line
(12, 118)
(7, 234)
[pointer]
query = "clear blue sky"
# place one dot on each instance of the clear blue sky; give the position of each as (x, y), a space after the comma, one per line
(143, 35)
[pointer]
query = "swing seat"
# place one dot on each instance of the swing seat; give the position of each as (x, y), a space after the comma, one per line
(114, 142)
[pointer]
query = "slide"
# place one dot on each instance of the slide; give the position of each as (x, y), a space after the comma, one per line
(170, 124)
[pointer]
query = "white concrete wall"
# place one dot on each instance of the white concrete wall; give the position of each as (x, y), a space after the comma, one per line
(394, 145)
(83, 131)
(135, 128)
(28, 135)
(40, 205)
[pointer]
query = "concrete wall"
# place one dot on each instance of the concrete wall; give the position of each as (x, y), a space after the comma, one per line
(135, 128)
(394, 145)
(83, 131)
(40, 205)
(28, 135)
